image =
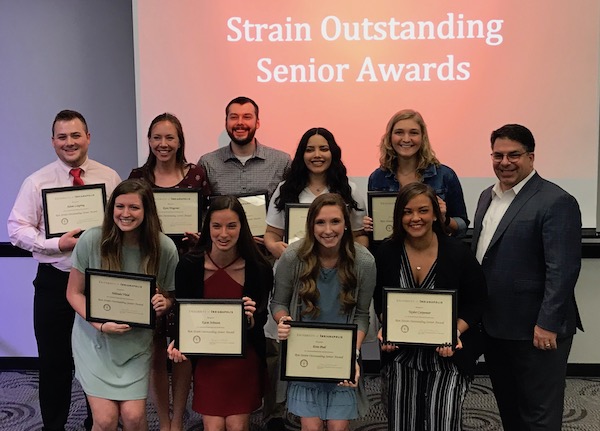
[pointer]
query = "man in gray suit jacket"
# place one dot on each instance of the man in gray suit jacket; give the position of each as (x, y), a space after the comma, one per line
(527, 237)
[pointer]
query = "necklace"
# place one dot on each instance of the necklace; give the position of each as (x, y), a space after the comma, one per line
(317, 189)
(419, 253)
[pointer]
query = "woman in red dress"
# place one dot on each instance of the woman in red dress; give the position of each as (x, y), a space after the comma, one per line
(227, 264)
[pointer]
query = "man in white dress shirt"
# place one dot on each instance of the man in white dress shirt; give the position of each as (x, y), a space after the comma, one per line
(527, 237)
(52, 314)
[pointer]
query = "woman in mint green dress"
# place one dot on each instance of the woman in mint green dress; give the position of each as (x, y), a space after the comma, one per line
(112, 359)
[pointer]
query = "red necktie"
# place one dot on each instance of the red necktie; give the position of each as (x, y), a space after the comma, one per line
(76, 172)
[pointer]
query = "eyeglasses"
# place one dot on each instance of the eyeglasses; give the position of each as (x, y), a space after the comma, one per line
(511, 157)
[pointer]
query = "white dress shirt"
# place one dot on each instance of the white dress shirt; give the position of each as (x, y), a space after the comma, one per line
(498, 207)
(26, 228)
(276, 218)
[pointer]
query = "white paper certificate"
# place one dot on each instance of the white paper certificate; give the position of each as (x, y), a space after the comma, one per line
(295, 222)
(69, 208)
(120, 297)
(211, 327)
(179, 210)
(419, 316)
(323, 352)
(255, 207)
(381, 208)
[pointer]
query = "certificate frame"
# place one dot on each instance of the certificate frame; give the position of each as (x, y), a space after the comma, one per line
(168, 210)
(420, 317)
(59, 203)
(381, 210)
(313, 352)
(200, 343)
(106, 291)
(295, 222)
(255, 207)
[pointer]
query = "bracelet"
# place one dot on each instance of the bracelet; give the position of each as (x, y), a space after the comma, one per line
(458, 332)
(102, 326)
(357, 354)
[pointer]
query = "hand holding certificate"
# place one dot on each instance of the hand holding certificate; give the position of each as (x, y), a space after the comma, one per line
(120, 297)
(211, 327)
(381, 210)
(179, 210)
(69, 208)
(319, 352)
(295, 222)
(420, 317)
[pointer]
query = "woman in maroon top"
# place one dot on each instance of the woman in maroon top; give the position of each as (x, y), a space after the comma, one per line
(227, 264)
(167, 167)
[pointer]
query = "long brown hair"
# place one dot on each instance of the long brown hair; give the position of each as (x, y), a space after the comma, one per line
(388, 158)
(149, 241)
(309, 256)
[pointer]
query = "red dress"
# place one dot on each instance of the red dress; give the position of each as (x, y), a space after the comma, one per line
(226, 386)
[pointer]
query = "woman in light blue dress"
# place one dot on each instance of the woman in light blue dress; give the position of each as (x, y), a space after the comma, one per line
(112, 360)
(328, 278)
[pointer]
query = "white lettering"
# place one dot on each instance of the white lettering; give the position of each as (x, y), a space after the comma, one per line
(310, 72)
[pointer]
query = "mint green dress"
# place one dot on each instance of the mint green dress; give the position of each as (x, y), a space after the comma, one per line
(116, 366)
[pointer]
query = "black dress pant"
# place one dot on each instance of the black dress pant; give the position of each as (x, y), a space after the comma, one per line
(528, 383)
(53, 322)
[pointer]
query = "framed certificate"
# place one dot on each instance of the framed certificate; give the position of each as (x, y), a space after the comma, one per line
(295, 222)
(68, 208)
(211, 327)
(319, 352)
(255, 207)
(179, 210)
(120, 297)
(420, 317)
(381, 210)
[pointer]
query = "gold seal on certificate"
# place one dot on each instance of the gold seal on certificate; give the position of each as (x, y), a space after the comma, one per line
(255, 207)
(68, 208)
(179, 210)
(295, 222)
(120, 297)
(211, 327)
(324, 352)
(381, 210)
(421, 317)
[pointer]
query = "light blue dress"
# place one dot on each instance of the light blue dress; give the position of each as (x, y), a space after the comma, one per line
(317, 399)
(116, 366)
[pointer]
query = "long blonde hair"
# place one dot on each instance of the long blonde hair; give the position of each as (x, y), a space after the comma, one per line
(149, 241)
(311, 266)
(388, 158)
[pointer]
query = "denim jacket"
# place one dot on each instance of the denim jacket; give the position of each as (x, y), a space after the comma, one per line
(442, 179)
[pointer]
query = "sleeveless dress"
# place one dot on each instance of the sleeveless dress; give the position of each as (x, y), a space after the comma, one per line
(226, 386)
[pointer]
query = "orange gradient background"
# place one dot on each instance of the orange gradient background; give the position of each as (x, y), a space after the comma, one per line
(543, 75)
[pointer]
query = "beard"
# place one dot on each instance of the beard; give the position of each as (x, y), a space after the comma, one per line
(244, 141)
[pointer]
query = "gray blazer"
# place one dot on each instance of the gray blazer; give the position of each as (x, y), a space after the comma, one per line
(532, 262)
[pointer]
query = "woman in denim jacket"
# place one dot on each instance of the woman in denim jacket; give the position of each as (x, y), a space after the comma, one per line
(406, 157)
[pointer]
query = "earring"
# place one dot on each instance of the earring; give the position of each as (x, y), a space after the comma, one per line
(435, 219)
